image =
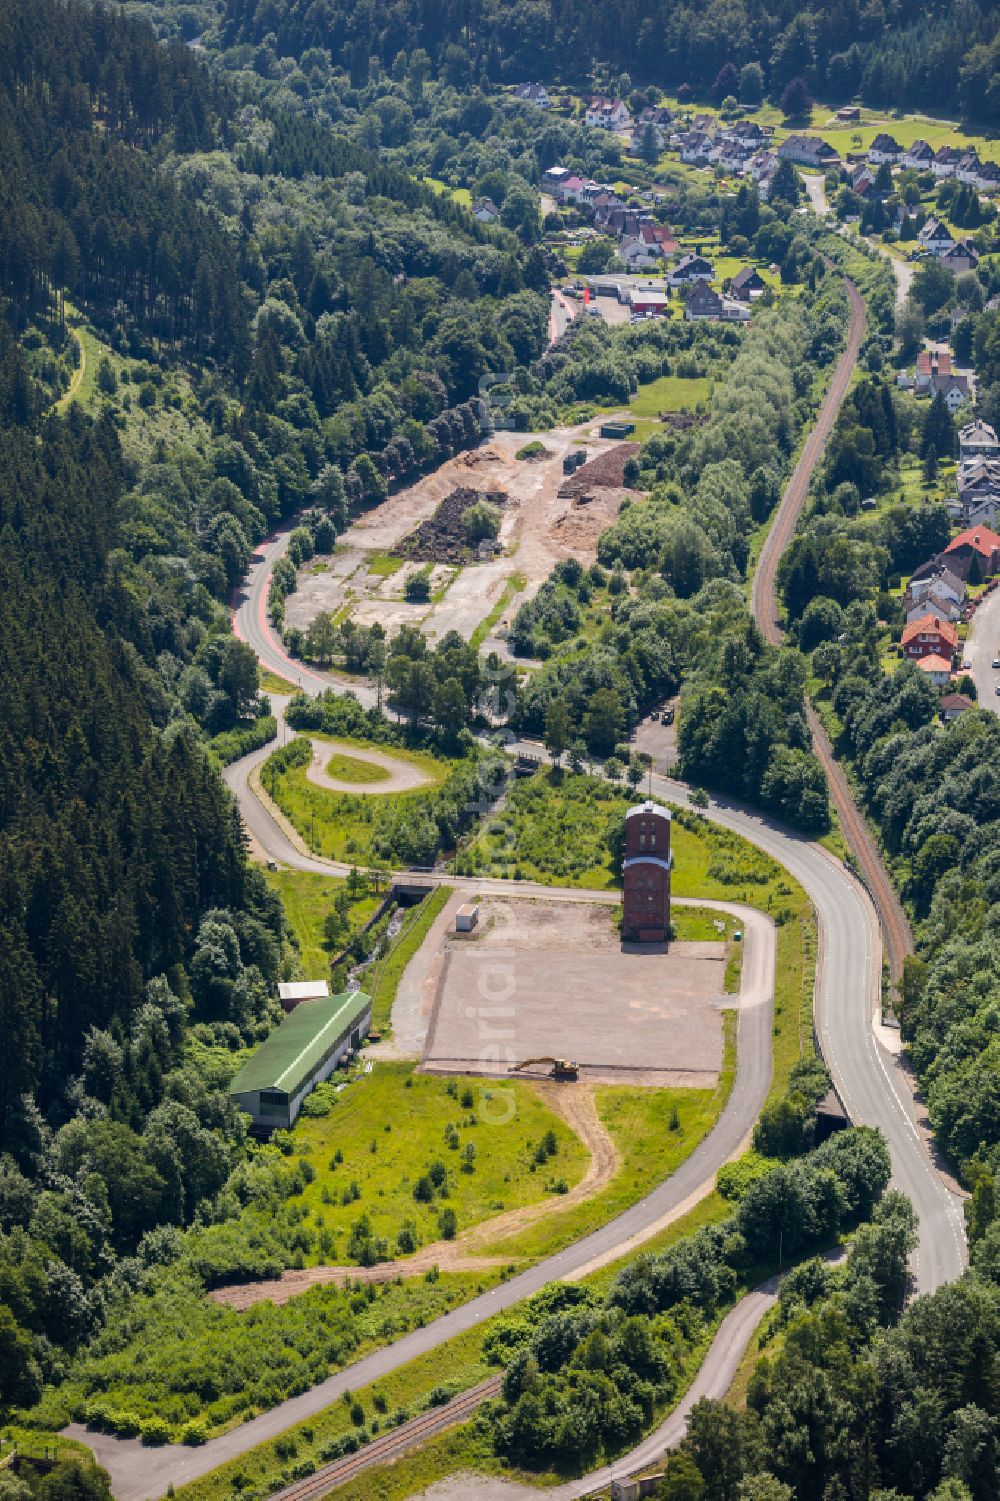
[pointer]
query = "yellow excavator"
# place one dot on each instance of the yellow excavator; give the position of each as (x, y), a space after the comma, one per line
(559, 1068)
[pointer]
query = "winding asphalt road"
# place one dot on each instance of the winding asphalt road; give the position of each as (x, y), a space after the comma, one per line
(872, 1083)
(139, 1473)
(869, 1080)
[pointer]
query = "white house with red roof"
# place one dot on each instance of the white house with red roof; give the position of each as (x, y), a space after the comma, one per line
(938, 669)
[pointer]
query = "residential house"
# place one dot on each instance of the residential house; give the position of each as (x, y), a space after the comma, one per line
(978, 440)
(702, 302)
(696, 148)
(637, 255)
(937, 578)
(929, 636)
(978, 484)
(946, 161)
(749, 134)
(955, 391)
(808, 151)
(691, 268)
(884, 149)
(761, 169)
(702, 122)
(934, 374)
(658, 235)
(656, 118)
(935, 236)
(747, 284)
(962, 256)
(977, 542)
(608, 114)
(932, 603)
(953, 705)
(968, 168)
(988, 180)
(553, 178)
(485, 210)
(937, 668)
(570, 189)
(534, 93)
(734, 311)
(862, 182)
(919, 155)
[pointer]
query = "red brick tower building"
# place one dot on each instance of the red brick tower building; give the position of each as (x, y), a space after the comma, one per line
(646, 875)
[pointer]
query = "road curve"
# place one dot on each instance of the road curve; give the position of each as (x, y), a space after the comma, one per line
(140, 1473)
(872, 1082)
(764, 606)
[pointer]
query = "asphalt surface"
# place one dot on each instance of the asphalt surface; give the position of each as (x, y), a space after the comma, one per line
(872, 1083)
(139, 1473)
(982, 648)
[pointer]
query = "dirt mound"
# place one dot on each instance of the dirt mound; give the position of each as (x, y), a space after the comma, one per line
(606, 472)
(681, 422)
(441, 538)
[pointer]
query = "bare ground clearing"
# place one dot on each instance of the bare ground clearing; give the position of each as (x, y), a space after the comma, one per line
(538, 528)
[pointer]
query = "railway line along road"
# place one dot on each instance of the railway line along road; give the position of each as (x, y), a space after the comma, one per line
(872, 1084)
(764, 606)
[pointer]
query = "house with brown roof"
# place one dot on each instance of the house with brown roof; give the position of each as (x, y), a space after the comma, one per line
(808, 151)
(976, 542)
(929, 636)
(953, 705)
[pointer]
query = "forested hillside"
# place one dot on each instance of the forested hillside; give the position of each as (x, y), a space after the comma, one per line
(911, 53)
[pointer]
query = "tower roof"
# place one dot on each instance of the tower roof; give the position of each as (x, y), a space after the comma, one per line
(649, 807)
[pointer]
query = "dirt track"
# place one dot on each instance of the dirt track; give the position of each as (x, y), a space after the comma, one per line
(400, 775)
(469, 1251)
(764, 606)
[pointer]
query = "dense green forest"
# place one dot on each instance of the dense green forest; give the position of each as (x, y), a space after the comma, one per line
(270, 337)
(907, 53)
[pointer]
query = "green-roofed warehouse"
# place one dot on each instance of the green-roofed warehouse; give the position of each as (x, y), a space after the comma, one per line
(303, 1050)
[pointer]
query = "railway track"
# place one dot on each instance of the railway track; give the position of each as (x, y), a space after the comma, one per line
(392, 1445)
(896, 932)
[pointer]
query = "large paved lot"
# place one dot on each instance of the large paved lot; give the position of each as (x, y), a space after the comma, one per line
(551, 978)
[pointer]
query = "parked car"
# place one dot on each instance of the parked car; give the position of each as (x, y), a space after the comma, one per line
(996, 662)
(668, 716)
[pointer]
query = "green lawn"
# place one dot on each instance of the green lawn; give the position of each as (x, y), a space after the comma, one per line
(307, 898)
(344, 768)
(654, 1131)
(383, 565)
(271, 683)
(341, 825)
(671, 393)
(393, 1124)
